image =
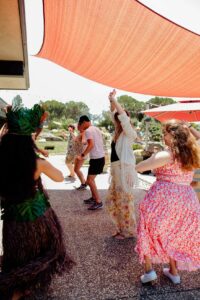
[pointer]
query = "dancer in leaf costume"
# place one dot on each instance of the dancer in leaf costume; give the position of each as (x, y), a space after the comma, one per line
(33, 248)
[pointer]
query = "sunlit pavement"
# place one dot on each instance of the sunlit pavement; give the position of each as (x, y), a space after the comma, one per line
(102, 180)
(105, 268)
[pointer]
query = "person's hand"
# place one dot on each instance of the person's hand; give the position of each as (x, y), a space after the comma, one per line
(44, 152)
(111, 96)
(187, 124)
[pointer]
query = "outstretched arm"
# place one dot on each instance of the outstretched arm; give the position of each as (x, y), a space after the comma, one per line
(155, 161)
(49, 170)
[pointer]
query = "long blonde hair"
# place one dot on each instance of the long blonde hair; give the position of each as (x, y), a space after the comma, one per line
(184, 146)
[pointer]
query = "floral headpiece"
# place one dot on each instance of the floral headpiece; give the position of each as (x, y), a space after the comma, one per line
(22, 120)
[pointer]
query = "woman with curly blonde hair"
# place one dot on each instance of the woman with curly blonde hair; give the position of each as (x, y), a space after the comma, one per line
(169, 221)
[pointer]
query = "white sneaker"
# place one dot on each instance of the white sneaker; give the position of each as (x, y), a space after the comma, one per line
(174, 278)
(150, 276)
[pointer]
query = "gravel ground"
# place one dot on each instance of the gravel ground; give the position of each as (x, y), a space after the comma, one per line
(105, 268)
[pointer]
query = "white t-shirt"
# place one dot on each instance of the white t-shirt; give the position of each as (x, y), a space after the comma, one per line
(93, 133)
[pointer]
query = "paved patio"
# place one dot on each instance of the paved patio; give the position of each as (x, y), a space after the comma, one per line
(105, 268)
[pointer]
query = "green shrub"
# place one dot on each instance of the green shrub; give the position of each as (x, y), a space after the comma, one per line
(137, 146)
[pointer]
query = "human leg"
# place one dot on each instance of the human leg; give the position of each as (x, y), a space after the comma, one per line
(70, 168)
(148, 264)
(95, 168)
(77, 169)
(92, 184)
(172, 272)
(150, 274)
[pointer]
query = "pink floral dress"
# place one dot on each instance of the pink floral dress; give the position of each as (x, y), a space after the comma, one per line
(169, 220)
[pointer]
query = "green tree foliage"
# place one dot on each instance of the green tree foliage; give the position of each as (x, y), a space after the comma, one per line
(132, 105)
(55, 108)
(65, 113)
(67, 122)
(154, 129)
(158, 101)
(74, 110)
(105, 121)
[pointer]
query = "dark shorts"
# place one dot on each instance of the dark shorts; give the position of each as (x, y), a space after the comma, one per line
(96, 166)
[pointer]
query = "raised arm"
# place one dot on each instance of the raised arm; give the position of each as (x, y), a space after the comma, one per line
(114, 104)
(128, 129)
(194, 132)
(157, 160)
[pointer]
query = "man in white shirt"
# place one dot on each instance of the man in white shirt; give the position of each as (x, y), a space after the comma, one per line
(95, 149)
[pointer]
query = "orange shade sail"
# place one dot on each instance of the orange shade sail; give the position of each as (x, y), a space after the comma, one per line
(122, 44)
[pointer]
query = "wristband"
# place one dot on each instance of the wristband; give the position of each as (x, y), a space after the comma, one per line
(82, 155)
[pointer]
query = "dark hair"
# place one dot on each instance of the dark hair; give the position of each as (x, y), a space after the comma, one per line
(183, 145)
(18, 166)
(117, 114)
(72, 126)
(82, 119)
(118, 125)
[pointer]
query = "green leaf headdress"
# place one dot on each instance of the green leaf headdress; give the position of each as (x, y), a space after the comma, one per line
(22, 120)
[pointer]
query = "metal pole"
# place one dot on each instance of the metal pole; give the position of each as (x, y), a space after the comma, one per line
(146, 135)
(146, 130)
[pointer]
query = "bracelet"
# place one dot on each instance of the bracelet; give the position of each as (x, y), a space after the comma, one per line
(82, 155)
(190, 126)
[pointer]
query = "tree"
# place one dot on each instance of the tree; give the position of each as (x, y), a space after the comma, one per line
(106, 121)
(132, 105)
(65, 113)
(158, 101)
(55, 108)
(74, 110)
(154, 129)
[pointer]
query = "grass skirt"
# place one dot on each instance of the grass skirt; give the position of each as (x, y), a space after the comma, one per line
(32, 253)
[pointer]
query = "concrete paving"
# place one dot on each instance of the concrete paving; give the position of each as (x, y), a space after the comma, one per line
(105, 268)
